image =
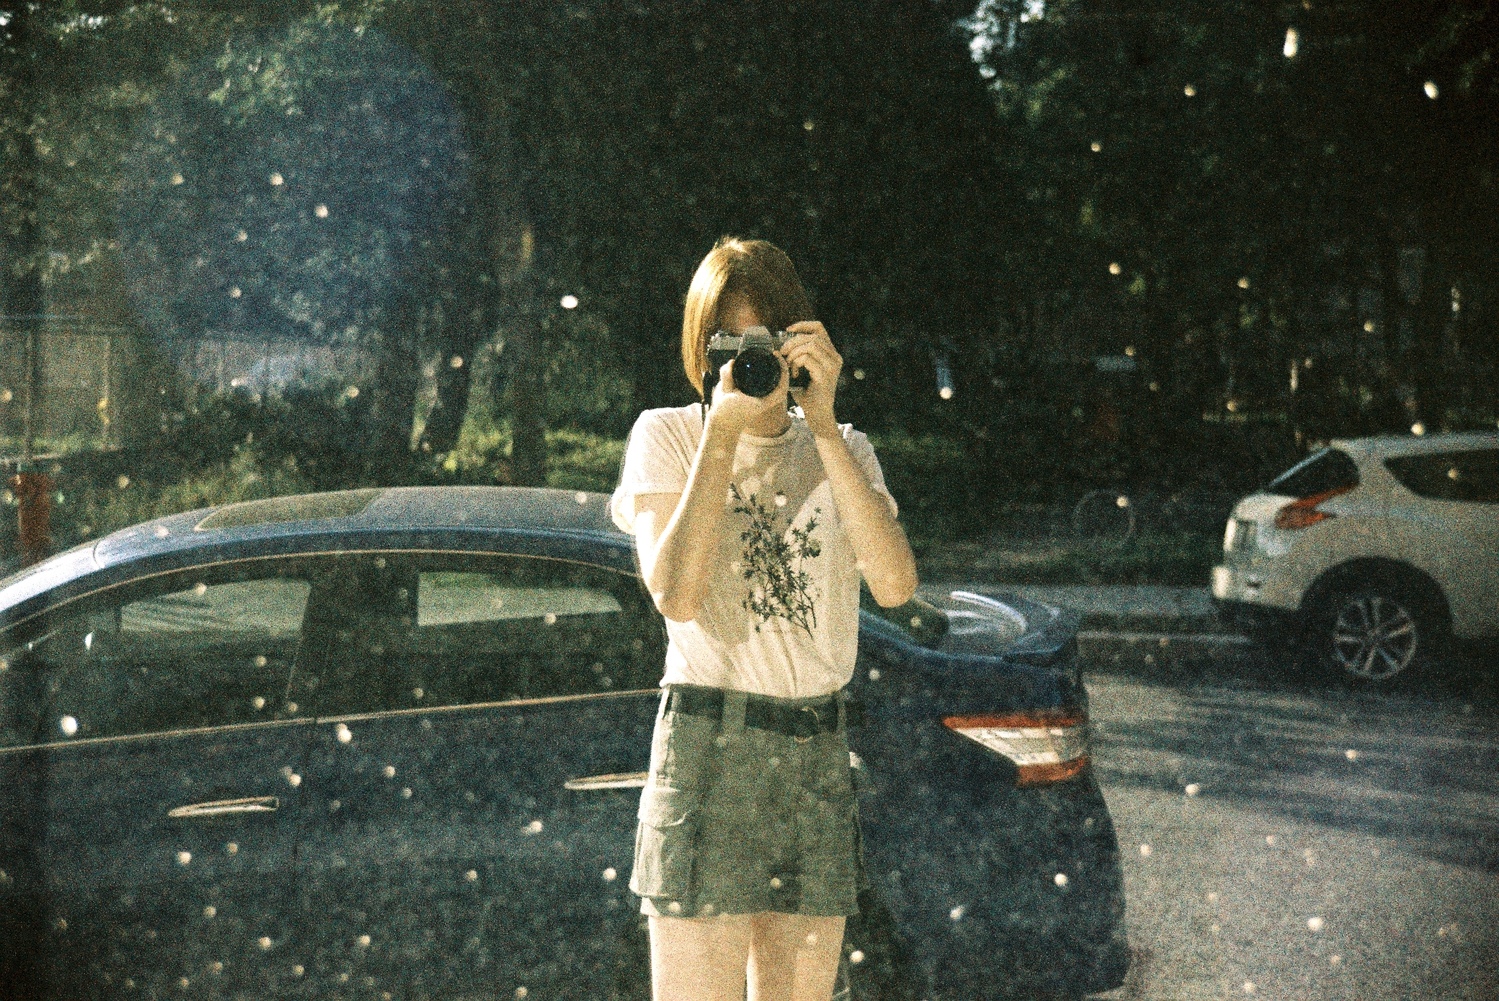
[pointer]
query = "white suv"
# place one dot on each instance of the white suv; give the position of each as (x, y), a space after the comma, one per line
(1372, 554)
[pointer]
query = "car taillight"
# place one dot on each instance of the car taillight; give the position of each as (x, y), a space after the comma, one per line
(1303, 513)
(1045, 747)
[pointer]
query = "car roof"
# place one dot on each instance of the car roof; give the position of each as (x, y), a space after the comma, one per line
(372, 510)
(1384, 446)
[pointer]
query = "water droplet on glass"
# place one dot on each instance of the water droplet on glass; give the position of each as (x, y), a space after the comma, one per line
(390, 771)
(610, 875)
(210, 912)
(1270, 840)
(1335, 959)
(1189, 90)
(1249, 987)
(265, 943)
(406, 793)
(1293, 40)
(550, 618)
(674, 908)
(534, 827)
(472, 875)
(260, 660)
(858, 373)
(215, 967)
(1144, 849)
(363, 941)
(241, 236)
(1212, 898)
(569, 302)
(915, 622)
(258, 702)
(1418, 429)
(277, 180)
(1431, 89)
(580, 497)
(780, 500)
(418, 693)
(856, 957)
(68, 725)
(1351, 754)
(1096, 147)
(775, 882)
(236, 292)
(1315, 924)
(184, 983)
(321, 211)
(162, 532)
(184, 858)
(455, 362)
(874, 674)
(344, 734)
(1193, 789)
(521, 992)
(957, 913)
(1114, 268)
(298, 970)
(232, 848)
(294, 780)
(1060, 879)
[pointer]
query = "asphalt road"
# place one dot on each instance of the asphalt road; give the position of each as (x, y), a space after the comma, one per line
(1288, 840)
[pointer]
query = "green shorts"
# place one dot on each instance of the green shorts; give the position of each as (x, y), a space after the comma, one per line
(739, 820)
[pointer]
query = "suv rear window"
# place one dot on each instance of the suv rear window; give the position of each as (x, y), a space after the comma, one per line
(1453, 476)
(1319, 473)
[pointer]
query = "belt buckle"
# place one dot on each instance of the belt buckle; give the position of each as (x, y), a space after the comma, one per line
(816, 724)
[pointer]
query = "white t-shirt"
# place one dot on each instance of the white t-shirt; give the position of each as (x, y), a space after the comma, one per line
(781, 614)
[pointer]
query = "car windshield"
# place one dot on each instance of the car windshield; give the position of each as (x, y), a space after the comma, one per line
(1327, 470)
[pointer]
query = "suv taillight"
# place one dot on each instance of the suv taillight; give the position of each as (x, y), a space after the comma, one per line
(1045, 747)
(1303, 513)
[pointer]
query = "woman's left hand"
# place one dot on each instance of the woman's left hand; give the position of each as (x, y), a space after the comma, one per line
(811, 349)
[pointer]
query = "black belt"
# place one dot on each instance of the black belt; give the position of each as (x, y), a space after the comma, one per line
(802, 721)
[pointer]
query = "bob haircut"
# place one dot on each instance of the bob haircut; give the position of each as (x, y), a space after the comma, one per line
(755, 271)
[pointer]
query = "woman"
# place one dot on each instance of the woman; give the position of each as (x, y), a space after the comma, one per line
(752, 526)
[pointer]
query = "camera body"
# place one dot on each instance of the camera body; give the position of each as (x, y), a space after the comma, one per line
(756, 366)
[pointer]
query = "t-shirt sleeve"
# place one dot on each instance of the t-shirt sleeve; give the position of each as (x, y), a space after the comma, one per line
(863, 453)
(658, 457)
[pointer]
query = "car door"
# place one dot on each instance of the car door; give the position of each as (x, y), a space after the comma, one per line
(1453, 498)
(472, 789)
(151, 762)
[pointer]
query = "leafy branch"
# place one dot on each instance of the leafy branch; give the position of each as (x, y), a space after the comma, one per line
(772, 564)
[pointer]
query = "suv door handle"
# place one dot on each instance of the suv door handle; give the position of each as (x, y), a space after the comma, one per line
(615, 780)
(220, 807)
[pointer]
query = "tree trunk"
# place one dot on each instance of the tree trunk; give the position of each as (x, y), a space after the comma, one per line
(23, 294)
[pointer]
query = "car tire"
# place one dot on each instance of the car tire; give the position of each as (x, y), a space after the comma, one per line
(1371, 633)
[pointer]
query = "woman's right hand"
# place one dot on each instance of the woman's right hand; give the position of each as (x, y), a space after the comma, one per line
(733, 411)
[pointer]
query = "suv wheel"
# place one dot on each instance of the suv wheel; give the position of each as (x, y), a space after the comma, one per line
(1371, 634)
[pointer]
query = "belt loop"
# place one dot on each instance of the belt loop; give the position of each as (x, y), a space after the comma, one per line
(733, 713)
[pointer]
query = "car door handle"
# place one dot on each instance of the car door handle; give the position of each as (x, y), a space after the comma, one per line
(220, 807)
(615, 780)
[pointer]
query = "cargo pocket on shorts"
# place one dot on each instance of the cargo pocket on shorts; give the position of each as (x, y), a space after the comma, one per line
(665, 844)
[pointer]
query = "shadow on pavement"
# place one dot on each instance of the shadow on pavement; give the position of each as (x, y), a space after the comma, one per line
(1419, 763)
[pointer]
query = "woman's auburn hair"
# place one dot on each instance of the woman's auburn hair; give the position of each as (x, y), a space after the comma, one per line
(755, 271)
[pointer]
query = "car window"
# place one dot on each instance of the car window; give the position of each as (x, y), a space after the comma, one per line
(1329, 469)
(1471, 476)
(429, 631)
(204, 653)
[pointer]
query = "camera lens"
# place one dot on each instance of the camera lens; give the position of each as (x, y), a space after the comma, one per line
(756, 371)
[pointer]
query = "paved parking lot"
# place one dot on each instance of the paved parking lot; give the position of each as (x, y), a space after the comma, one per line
(1284, 840)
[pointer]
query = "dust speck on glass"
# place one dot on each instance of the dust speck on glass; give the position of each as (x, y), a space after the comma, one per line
(772, 563)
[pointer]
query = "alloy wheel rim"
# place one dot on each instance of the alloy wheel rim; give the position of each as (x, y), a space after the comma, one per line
(1373, 637)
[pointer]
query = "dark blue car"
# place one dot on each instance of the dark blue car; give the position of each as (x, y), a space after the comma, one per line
(389, 744)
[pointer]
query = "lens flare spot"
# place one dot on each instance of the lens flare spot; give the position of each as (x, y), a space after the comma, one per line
(569, 302)
(68, 725)
(345, 735)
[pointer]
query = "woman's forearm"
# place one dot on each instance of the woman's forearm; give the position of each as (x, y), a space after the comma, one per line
(878, 541)
(678, 566)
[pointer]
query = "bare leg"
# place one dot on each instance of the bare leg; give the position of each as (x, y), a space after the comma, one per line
(793, 957)
(699, 959)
